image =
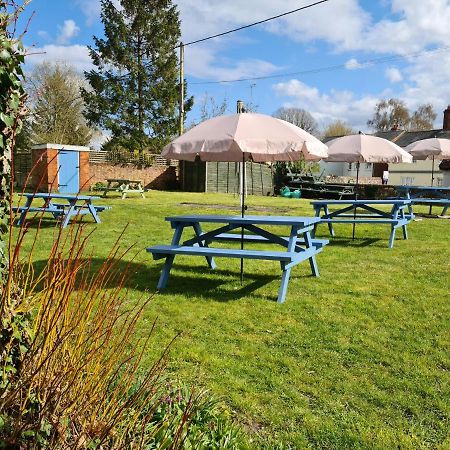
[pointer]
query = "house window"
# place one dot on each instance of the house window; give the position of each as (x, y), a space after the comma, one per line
(349, 166)
(368, 165)
(407, 181)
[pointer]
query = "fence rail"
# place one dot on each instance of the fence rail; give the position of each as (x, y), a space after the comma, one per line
(141, 159)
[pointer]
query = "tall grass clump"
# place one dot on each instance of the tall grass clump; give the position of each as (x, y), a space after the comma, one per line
(71, 374)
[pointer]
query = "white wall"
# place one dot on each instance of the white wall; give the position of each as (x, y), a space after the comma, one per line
(418, 173)
(345, 169)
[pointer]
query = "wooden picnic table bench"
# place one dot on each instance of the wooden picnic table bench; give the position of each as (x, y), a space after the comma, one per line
(365, 211)
(298, 247)
(124, 186)
(75, 205)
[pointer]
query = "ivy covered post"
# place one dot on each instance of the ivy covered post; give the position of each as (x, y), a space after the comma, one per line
(12, 111)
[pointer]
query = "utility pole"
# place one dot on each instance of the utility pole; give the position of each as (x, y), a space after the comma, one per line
(181, 100)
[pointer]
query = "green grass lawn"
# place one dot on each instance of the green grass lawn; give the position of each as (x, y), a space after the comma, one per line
(358, 358)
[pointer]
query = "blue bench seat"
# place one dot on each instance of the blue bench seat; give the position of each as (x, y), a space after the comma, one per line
(161, 251)
(317, 243)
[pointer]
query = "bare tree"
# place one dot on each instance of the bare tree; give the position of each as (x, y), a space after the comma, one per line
(299, 117)
(57, 106)
(337, 128)
(393, 114)
(423, 118)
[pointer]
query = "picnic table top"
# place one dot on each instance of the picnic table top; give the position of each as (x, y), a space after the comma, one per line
(50, 195)
(396, 201)
(122, 180)
(263, 220)
(423, 188)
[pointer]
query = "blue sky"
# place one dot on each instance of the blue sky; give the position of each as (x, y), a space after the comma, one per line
(297, 54)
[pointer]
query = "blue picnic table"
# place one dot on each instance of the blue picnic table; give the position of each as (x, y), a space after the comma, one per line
(65, 207)
(297, 247)
(429, 195)
(399, 213)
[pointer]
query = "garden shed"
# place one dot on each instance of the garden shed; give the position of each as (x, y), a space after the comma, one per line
(60, 168)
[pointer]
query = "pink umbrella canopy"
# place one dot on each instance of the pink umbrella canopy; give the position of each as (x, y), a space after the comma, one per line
(245, 136)
(433, 148)
(366, 148)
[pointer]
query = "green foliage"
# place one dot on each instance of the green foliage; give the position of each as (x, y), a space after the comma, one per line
(393, 114)
(355, 359)
(12, 111)
(134, 91)
(56, 105)
(119, 152)
(68, 358)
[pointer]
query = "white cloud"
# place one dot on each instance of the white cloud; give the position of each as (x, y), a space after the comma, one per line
(413, 26)
(91, 9)
(75, 55)
(203, 62)
(393, 74)
(67, 31)
(326, 108)
(353, 64)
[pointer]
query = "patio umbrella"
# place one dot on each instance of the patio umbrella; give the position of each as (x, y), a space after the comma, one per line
(245, 137)
(432, 148)
(358, 148)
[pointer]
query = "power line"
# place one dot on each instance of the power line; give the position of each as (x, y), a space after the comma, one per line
(367, 63)
(256, 23)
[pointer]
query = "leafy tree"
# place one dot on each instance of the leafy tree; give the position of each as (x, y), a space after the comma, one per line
(12, 111)
(393, 114)
(299, 117)
(337, 128)
(135, 88)
(57, 107)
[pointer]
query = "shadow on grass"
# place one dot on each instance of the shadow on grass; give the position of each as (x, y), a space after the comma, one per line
(342, 241)
(48, 222)
(220, 285)
(197, 282)
(204, 282)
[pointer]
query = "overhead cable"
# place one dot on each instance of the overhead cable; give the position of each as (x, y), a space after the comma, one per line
(256, 23)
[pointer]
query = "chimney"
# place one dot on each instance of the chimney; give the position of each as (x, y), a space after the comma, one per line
(446, 123)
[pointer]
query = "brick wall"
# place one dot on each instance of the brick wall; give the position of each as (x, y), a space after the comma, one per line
(85, 174)
(45, 173)
(152, 177)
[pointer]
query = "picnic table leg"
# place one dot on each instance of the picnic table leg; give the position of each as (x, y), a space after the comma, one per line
(93, 211)
(330, 225)
(444, 211)
(169, 259)
(23, 214)
(125, 188)
(312, 259)
(107, 189)
(140, 187)
(394, 213)
(70, 212)
(284, 283)
(404, 229)
(209, 259)
(287, 271)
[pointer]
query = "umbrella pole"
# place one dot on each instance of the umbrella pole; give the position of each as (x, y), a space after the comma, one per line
(356, 198)
(432, 182)
(242, 212)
